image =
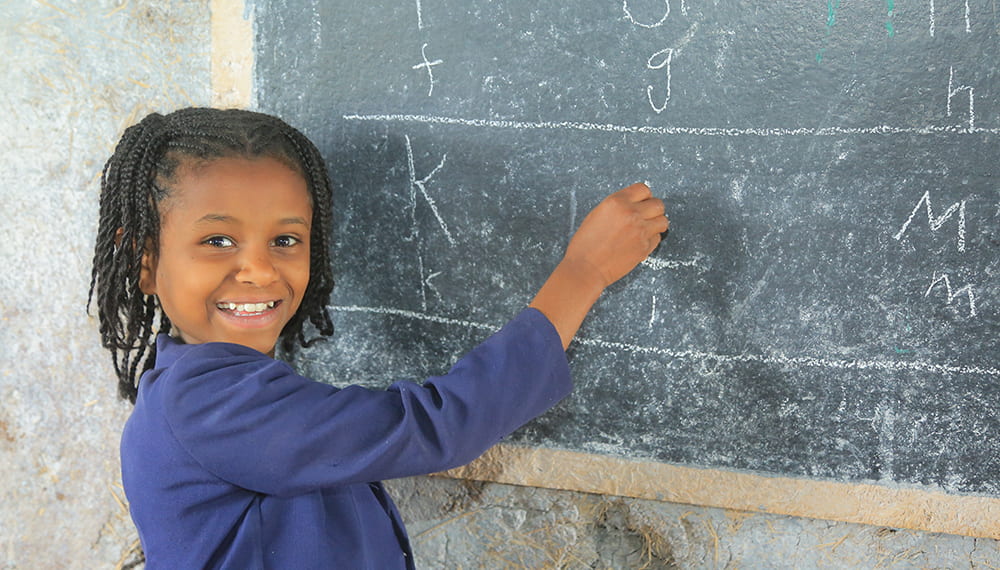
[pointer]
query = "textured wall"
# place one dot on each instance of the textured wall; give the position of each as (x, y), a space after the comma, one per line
(75, 74)
(464, 524)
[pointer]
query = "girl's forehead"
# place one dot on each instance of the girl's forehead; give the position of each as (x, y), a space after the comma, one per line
(229, 166)
(236, 184)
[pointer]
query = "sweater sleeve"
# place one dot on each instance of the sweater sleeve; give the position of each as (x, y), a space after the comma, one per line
(253, 422)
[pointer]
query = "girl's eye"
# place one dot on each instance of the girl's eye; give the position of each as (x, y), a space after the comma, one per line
(219, 241)
(286, 241)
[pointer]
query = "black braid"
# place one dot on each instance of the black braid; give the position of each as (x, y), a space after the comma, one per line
(138, 177)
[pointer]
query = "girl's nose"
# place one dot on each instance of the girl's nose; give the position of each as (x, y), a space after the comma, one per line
(257, 268)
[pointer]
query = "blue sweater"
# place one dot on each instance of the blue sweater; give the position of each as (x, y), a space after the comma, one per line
(232, 460)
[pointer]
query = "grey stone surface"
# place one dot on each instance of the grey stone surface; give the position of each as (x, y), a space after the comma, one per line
(75, 74)
(462, 524)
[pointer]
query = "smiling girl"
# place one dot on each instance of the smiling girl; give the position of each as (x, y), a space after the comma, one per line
(213, 238)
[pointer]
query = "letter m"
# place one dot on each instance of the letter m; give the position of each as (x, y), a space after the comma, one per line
(936, 222)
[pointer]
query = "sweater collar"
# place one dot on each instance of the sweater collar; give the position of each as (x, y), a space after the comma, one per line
(168, 350)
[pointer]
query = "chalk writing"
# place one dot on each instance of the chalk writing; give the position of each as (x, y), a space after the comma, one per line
(952, 91)
(666, 14)
(429, 285)
(772, 358)
(572, 211)
(420, 16)
(425, 282)
(968, 21)
(414, 315)
(428, 65)
(654, 64)
(954, 293)
(763, 153)
(670, 131)
(423, 288)
(656, 263)
(938, 221)
(421, 185)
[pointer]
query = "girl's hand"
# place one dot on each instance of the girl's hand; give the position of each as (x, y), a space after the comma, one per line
(615, 236)
(619, 233)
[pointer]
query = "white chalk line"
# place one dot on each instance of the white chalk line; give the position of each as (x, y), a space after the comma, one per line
(650, 130)
(968, 20)
(797, 361)
(412, 315)
(699, 355)
(657, 263)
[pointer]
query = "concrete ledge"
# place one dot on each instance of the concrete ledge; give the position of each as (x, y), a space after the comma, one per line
(913, 508)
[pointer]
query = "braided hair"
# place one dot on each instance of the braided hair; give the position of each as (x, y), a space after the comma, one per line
(139, 176)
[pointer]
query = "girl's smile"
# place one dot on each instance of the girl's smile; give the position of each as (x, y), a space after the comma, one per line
(250, 314)
(233, 258)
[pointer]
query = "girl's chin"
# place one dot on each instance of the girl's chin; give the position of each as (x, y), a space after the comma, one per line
(262, 343)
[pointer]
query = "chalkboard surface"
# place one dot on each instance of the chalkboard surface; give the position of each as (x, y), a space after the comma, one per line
(826, 304)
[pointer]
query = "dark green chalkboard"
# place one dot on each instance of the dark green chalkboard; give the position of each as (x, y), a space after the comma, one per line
(826, 304)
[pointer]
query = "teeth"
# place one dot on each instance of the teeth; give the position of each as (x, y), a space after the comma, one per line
(247, 307)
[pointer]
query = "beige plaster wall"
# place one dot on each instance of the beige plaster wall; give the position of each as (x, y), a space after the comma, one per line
(75, 74)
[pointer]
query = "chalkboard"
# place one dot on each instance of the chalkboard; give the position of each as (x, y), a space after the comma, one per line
(826, 304)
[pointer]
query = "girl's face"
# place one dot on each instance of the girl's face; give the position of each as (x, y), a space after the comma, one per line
(233, 261)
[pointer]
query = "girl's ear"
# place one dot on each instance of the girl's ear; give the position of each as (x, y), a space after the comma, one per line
(147, 273)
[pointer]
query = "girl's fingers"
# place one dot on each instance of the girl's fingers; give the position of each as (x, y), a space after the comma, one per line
(637, 192)
(651, 208)
(661, 222)
(642, 198)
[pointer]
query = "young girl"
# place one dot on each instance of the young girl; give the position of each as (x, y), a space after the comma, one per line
(214, 235)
